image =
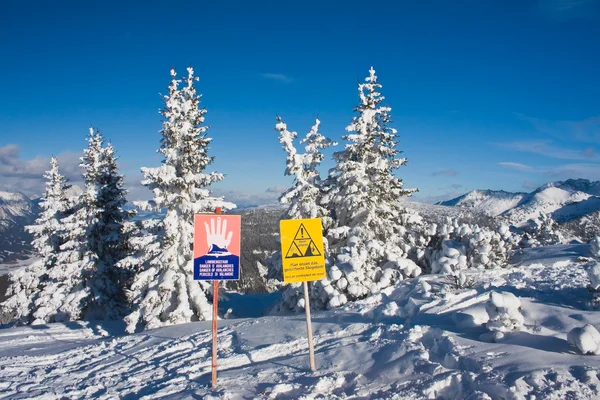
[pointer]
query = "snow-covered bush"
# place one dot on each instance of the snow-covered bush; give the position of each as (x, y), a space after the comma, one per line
(541, 231)
(504, 311)
(593, 271)
(454, 247)
(163, 290)
(586, 339)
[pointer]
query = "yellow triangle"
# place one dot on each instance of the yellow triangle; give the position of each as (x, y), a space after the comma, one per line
(303, 245)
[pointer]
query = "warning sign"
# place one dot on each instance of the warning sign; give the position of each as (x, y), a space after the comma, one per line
(216, 247)
(303, 245)
(302, 250)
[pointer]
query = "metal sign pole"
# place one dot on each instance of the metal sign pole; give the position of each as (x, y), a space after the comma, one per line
(311, 349)
(214, 324)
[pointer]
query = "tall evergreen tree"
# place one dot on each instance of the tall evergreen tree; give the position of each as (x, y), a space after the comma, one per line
(48, 236)
(107, 239)
(163, 290)
(363, 200)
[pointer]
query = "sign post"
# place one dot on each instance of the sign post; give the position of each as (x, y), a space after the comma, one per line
(303, 260)
(216, 258)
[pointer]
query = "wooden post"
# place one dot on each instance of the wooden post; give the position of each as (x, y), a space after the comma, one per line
(311, 349)
(214, 324)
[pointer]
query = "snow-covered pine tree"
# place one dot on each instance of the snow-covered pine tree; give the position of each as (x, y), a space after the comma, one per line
(107, 238)
(85, 283)
(366, 241)
(163, 290)
(48, 235)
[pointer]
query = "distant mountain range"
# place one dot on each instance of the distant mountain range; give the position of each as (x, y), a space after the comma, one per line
(16, 211)
(563, 200)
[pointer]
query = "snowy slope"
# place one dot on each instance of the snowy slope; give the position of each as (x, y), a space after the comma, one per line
(564, 200)
(491, 202)
(417, 340)
(563, 203)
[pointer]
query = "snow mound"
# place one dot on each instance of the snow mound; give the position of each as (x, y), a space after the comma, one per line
(586, 339)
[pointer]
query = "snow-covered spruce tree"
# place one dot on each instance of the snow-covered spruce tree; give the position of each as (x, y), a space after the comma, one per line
(48, 236)
(365, 242)
(163, 290)
(86, 282)
(107, 238)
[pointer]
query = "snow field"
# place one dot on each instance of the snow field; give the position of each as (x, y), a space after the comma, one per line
(419, 339)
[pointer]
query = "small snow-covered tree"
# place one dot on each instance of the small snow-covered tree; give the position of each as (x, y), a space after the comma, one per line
(85, 283)
(366, 240)
(504, 311)
(547, 231)
(163, 290)
(48, 236)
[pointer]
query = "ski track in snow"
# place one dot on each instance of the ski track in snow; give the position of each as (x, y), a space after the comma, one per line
(407, 342)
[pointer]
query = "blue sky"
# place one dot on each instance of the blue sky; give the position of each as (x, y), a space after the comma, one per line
(484, 94)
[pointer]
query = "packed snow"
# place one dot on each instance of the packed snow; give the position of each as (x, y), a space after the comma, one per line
(418, 339)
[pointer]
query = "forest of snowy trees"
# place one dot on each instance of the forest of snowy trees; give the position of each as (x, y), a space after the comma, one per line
(98, 262)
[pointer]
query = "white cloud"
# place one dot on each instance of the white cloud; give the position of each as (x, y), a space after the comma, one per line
(432, 199)
(530, 186)
(26, 176)
(444, 172)
(514, 165)
(278, 77)
(585, 130)
(563, 10)
(243, 199)
(547, 148)
(589, 171)
(586, 171)
(276, 189)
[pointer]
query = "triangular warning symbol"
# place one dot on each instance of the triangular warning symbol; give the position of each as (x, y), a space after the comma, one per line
(294, 251)
(303, 245)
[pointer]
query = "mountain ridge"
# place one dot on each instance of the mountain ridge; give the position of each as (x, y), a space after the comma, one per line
(563, 200)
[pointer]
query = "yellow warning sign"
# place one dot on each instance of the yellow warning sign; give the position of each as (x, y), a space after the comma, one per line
(302, 250)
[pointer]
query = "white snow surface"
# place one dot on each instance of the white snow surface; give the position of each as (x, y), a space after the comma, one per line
(416, 340)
